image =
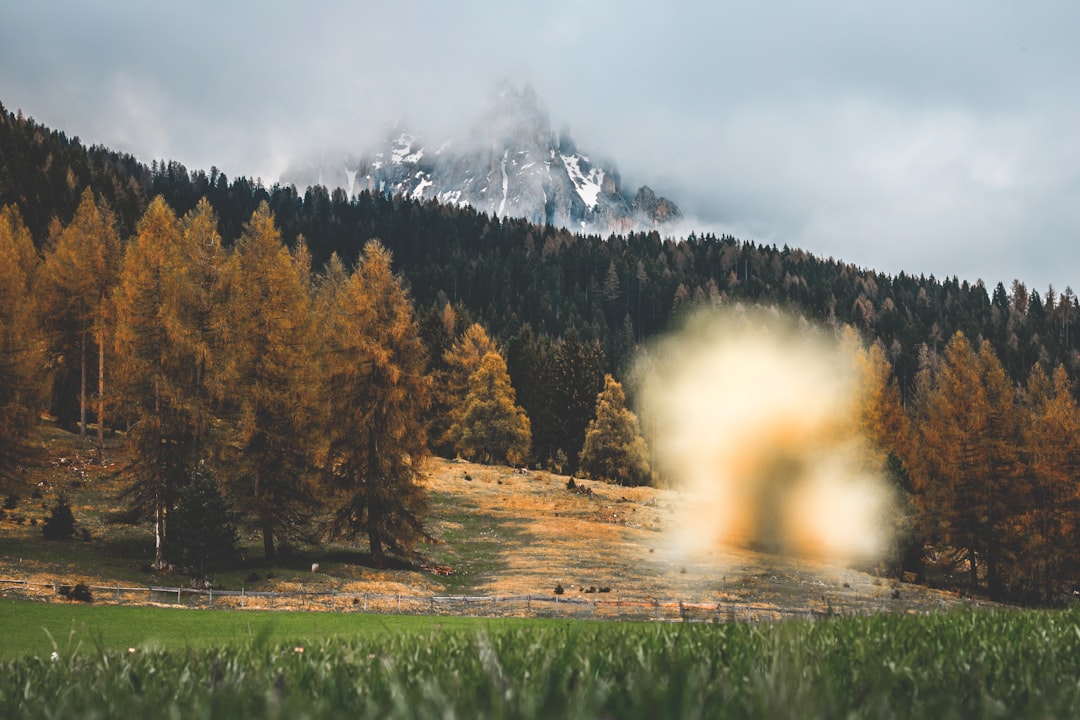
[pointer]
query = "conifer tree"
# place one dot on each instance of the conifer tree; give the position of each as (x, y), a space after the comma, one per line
(22, 348)
(614, 449)
(378, 392)
(265, 382)
(1052, 521)
(168, 286)
(461, 360)
(80, 269)
(491, 427)
(967, 470)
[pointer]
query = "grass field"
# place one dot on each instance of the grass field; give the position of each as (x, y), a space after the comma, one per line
(956, 664)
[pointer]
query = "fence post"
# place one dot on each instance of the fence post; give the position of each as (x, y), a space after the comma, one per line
(117, 592)
(177, 596)
(528, 603)
(656, 606)
(399, 603)
(365, 602)
(618, 608)
(211, 597)
(241, 596)
(272, 598)
(303, 597)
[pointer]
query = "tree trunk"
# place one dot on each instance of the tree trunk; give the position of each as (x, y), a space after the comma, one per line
(268, 539)
(159, 523)
(375, 542)
(101, 398)
(974, 570)
(82, 390)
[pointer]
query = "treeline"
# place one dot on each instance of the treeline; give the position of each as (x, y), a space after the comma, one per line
(243, 378)
(506, 273)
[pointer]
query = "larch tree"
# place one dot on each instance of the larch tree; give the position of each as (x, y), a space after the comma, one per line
(80, 269)
(162, 304)
(967, 471)
(461, 360)
(491, 426)
(378, 393)
(22, 344)
(1052, 445)
(614, 449)
(266, 383)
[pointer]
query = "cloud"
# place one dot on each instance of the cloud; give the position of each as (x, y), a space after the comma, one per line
(924, 136)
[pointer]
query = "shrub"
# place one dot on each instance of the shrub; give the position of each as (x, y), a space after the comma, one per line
(11, 501)
(60, 525)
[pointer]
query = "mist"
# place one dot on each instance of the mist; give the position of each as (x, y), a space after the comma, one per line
(752, 416)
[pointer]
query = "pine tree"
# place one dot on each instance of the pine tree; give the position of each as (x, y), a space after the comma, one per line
(202, 527)
(22, 345)
(266, 383)
(378, 392)
(491, 426)
(614, 449)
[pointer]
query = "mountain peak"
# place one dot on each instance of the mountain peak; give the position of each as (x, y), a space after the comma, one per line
(512, 165)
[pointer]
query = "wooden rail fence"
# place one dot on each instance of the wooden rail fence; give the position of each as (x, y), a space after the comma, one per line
(606, 608)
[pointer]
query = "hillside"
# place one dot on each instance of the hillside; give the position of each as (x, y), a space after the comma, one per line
(497, 531)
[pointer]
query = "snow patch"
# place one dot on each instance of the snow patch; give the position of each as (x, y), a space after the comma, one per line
(402, 150)
(587, 185)
(505, 184)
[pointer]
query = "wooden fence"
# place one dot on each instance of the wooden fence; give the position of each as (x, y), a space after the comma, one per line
(596, 607)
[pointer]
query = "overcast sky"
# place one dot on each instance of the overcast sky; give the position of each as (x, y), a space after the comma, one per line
(926, 136)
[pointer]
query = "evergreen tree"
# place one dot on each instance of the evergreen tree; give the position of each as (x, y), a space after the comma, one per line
(265, 382)
(378, 392)
(614, 449)
(22, 347)
(491, 427)
(578, 379)
(202, 527)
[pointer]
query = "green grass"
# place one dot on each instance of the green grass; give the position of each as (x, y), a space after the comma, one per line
(37, 629)
(961, 664)
(477, 549)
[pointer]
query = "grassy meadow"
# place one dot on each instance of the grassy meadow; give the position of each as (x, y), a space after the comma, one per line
(959, 664)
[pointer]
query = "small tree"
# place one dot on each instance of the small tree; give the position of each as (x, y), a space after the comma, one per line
(491, 427)
(614, 449)
(60, 525)
(202, 527)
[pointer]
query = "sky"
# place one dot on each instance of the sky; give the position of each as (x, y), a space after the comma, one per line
(927, 136)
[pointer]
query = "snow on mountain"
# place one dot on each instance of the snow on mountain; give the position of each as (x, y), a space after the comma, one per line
(510, 165)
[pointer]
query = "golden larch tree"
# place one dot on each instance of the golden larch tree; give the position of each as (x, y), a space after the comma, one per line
(378, 393)
(162, 304)
(81, 266)
(266, 383)
(491, 427)
(22, 344)
(614, 449)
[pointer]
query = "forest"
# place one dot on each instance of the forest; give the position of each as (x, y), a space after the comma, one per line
(281, 356)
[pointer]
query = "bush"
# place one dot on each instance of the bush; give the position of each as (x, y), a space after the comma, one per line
(11, 502)
(60, 525)
(80, 592)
